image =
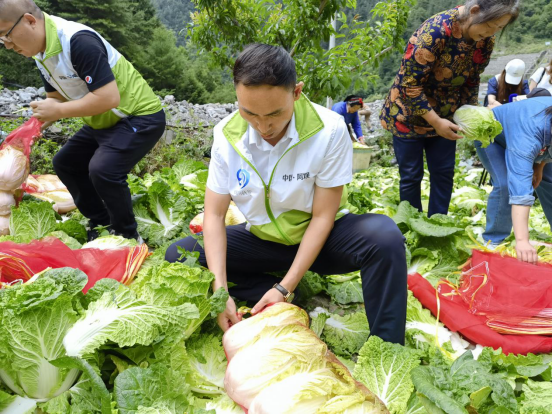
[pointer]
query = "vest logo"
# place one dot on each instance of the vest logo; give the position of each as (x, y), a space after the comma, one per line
(88, 79)
(243, 178)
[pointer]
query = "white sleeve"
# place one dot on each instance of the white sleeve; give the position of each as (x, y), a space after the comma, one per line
(537, 75)
(337, 168)
(217, 180)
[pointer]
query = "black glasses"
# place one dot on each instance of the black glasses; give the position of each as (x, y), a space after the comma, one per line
(6, 37)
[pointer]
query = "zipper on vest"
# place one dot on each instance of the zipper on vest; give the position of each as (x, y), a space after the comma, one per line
(51, 76)
(267, 195)
(267, 199)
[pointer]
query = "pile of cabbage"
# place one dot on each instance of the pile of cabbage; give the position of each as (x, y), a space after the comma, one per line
(276, 364)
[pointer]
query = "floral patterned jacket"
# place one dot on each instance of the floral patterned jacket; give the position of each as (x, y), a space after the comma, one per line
(439, 71)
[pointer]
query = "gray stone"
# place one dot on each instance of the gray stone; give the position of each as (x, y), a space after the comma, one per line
(25, 97)
(169, 99)
(169, 136)
(41, 91)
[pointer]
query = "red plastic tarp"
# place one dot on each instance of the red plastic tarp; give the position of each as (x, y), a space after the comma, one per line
(22, 261)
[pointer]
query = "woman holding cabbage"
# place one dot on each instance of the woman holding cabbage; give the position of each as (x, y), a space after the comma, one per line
(518, 161)
(440, 72)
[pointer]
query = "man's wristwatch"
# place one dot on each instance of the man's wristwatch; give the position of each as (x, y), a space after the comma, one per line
(288, 296)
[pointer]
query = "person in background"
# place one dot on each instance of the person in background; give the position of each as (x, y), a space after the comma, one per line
(519, 161)
(86, 77)
(440, 72)
(509, 82)
(348, 109)
(285, 162)
(542, 78)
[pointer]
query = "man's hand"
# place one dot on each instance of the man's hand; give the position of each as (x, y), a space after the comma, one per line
(47, 110)
(229, 316)
(526, 252)
(537, 174)
(272, 296)
(447, 129)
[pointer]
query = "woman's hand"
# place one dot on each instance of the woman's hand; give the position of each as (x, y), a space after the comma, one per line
(447, 129)
(526, 252)
(493, 104)
(361, 140)
(229, 316)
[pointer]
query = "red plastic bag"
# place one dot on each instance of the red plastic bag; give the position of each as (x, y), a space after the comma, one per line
(451, 309)
(24, 137)
(22, 261)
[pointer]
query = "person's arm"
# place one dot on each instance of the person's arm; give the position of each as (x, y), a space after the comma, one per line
(443, 126)
(214, 238)
(217, 200)
(90, 60)
(524, 250)
(357, 127)
(519, 163)
(93, 103)
(481, 59)
(492, 92)
(418, 62)
(538, 169)
(535, 78)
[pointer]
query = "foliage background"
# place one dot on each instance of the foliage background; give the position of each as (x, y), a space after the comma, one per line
(152, 35)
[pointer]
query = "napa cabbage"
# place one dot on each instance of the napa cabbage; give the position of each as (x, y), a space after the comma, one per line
(385, 369)
(477, 123)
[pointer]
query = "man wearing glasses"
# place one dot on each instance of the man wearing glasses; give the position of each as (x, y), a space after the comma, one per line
(84, 76)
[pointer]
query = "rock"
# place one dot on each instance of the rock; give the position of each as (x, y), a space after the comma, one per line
(169, 136)
(54, 129)
(25, 97)
(32, 91)
(41, 92)
(169, 100)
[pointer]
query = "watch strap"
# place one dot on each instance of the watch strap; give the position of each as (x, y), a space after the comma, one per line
(286, 293)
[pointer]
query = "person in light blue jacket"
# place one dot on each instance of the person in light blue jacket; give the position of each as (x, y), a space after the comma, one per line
(519, 162)
(348, 109)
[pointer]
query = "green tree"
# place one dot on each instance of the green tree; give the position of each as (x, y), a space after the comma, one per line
(175, 15)
(224, 28)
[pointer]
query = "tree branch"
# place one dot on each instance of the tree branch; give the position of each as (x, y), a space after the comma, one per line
(377, 55)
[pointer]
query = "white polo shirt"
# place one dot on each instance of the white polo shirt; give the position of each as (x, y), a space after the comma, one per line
(273, 186)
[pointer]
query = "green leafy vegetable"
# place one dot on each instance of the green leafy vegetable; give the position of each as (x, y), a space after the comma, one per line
(478, 124)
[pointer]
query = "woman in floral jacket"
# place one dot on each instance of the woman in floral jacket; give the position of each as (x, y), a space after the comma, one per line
(440, 72)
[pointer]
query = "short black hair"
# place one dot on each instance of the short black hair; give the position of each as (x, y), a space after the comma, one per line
(261, 64)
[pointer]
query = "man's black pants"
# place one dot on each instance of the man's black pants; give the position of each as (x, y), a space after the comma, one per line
(371, 243)
(94, 165)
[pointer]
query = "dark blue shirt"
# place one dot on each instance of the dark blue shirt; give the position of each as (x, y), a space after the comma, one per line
(492, 87)
(353, 119)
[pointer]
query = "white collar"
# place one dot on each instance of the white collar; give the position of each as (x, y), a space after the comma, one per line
(256, 139)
